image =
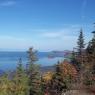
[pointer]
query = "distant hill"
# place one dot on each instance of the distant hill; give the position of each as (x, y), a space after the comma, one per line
(56, 54)
(67, 53)
(64, 53)
(47, 69)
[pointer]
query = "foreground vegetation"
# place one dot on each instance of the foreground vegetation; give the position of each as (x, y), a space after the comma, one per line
(77, 73)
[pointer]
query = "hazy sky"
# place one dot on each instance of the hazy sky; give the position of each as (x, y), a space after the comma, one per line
(44, 24)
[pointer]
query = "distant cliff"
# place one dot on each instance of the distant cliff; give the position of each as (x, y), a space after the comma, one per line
(64, 53)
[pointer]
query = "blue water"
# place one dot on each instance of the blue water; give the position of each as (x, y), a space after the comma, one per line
(9, 60)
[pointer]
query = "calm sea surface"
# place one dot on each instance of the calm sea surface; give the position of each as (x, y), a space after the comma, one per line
(9, 60)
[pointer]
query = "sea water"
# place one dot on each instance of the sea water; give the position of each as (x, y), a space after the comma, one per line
(9, 60)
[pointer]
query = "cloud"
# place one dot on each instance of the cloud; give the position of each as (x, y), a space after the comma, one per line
(44, 39)
(61, 33)
(7, 3)
(59, 39)
(51, 34)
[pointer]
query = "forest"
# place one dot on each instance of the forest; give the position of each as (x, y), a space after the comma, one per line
(76, 73)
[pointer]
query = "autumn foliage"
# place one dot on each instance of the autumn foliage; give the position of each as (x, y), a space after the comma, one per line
(68, 69)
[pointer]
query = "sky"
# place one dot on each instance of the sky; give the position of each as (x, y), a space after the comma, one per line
(45, 24)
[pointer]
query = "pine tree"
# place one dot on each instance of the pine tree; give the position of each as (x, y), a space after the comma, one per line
(80, 43)
(91, 46)
(4, 85)
(74, 61)
(91, 56)
(20, 81)
(58, 83)
(80, 59)
(34, 74)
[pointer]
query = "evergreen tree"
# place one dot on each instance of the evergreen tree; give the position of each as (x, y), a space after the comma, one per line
(91, 55)
(20, 81)
(58, 83)
(5, 85)
(91, 46)
(76, 58)
(34, 74)
(75, 62)
(80, 43)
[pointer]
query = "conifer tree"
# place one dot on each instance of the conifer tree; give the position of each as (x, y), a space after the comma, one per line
(34, 74)
(20, 81)
(77, 57)
(4, 85)
(58, 84)
(74, 61)
(91, 56)
(80, 43)
(91, 45)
